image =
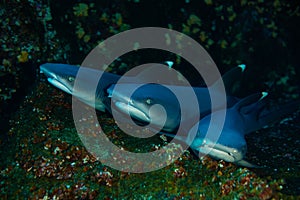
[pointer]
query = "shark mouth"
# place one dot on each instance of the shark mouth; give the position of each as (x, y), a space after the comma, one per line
(59, 85)
(126, 106)
(227, 154)
(54, 80)
(218, 151)
(131, 110)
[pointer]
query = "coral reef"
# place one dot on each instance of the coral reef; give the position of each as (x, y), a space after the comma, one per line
(48, 160)
(41, 154)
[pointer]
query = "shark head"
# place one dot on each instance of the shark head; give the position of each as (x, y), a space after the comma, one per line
(60, 75)
(229, 145)
(63, 77)
(149, 103)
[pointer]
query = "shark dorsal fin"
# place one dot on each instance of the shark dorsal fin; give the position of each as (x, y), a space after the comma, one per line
(157, 73)
(231, 78)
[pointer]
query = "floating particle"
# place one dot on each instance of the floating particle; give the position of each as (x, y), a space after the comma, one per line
(193, 19)
(185, 29)
(80, 32)
(195, 30)
(6, 62)
(208, 2)
(81, 10)
(202, 36)
(243, 2)
(23, 57)
(118, 19)
(232, 17)
(223, 44)
(86, 38)
(168, 39)
(104, 17)
(210, 42)
(136, 46)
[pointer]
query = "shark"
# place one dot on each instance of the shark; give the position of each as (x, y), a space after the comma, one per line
(140, 106)
(174, 112)
(248, 115)
(243, 116)
(63, 76)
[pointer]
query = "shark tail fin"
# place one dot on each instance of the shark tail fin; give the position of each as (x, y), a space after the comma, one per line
(257, 113)
(270, 115)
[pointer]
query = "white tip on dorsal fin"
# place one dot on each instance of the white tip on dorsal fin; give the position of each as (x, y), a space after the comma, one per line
(242, 66)
(160, 74)
(169, 63)
(264, 94)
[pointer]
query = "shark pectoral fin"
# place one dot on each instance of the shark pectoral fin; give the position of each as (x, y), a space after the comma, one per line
(249, 100)
(245, 163)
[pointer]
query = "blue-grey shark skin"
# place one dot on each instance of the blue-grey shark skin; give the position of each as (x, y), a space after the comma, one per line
(63, 77)
(248, 115)
(139, 105)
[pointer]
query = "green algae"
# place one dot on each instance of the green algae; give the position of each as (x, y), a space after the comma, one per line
(49, 161)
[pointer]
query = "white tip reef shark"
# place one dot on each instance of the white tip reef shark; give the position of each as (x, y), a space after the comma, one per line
(63, 77)
(242, 116)
(248, 115)
(139, 105)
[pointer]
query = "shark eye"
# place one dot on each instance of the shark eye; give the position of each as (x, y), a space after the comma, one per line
(148, 101)
(71, 78)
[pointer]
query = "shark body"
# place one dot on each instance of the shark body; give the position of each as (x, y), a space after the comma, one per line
(246, 116)
(179, 106)
(141, 104)
(63, 77)
(242, 117)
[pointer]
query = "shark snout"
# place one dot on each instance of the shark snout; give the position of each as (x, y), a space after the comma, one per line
(46, 70)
